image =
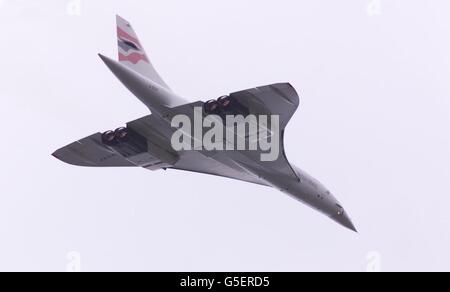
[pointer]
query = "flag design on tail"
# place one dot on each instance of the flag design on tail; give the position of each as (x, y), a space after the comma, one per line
(130, 49)
(132, 53)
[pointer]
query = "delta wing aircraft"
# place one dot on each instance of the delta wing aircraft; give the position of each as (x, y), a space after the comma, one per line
(148, 142)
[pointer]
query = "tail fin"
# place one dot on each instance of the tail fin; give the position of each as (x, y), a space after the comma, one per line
(132, 53)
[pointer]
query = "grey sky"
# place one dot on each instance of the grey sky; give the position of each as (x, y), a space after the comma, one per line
(373, 126)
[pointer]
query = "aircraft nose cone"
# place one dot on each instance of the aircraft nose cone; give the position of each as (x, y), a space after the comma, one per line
(345, 221)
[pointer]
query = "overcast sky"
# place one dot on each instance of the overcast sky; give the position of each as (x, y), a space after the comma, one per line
(373, 126)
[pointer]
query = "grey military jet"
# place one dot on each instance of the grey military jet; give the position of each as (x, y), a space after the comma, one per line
(147, 142)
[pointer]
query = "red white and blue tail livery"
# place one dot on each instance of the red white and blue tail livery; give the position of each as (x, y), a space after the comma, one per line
(132, 53)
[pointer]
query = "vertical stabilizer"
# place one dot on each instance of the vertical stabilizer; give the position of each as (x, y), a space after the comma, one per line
(132, 53)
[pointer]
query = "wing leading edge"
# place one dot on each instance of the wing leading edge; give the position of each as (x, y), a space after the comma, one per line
(91, 152)
(148, 145)
(277, 99)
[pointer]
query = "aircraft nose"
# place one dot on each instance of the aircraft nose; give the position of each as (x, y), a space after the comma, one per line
(345, 221)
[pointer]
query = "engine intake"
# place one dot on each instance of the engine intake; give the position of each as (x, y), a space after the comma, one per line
(211, 107)
(121, 134)
(115, 137)
(109, 137)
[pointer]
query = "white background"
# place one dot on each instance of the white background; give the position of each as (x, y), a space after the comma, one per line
(373, 127)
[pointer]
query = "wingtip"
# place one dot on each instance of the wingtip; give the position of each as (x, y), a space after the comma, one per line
(58, 155)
